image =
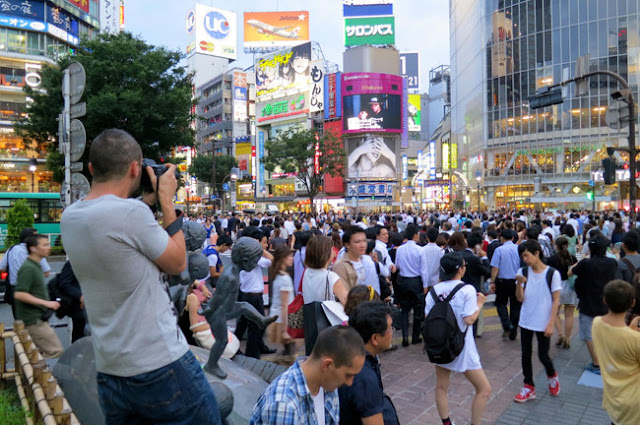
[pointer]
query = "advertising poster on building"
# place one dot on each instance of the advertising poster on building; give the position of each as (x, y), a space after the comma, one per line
(284, 72)
(275, 29)
(372, 156)
(333, 185)
(286, 107)
(215, 31)
(239, 96)
(110, 16)
(332, 96)
(23, 8)
(82, 4)
(317, 89)
(372, 102)
(414, 113)
(501, 50)
(373, 30)
(61, 19)
(353, 8)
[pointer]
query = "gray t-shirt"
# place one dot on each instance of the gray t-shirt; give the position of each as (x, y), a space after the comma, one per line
(624, 269)
(111, 243)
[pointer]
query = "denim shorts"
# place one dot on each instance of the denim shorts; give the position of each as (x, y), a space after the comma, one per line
(176, 394)
(585, 326)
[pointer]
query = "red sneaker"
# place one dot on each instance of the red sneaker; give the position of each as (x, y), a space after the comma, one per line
(554, 385)
(528, 392)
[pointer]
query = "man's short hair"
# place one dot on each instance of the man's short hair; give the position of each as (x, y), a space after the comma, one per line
(111, 154)
(33, 240)
(619, 295)
(411, 231)
(348, 234)
(432, 234)
(225, 240)
(507, 234)
(370, 318)
(26, 232)
(598, 245)
(631, 240)
(341, 343)
(532, 246)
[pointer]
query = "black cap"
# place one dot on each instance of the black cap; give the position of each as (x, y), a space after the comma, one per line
(450, 263)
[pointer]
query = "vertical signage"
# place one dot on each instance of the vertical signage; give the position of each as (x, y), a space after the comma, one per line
(239, 96)
(110, 16)
(317, 89)
(432, 160)
(405, 114)
(454, 156)
(419, 159)
(332, 102)
(405, 167)
(262, 186)
(445, 157)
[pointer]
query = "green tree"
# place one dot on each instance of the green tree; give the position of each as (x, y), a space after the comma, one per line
(294, 151)
(202, 166)
(18, 217)
(130, 85)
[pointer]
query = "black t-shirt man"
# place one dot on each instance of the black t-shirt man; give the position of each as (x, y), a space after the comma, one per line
(592, 275)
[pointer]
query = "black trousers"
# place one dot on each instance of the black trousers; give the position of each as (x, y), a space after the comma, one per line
(410, 296)
(255, 342)
(506, 293)
(526, 342)
(9, 292)
(79, 321)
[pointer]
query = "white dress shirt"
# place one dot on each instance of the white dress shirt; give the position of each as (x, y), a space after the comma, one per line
(253, 282)
(385, 259)
(431, 255)
(410, 264)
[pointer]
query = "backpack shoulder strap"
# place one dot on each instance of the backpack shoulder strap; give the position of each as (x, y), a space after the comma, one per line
(624, 260)
(432, 291)
(550, 272)
(453, 292)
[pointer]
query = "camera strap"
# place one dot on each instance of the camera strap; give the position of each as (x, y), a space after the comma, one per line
(176, 226)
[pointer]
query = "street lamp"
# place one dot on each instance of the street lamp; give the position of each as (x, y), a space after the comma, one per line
(33, 165)
(478, 178)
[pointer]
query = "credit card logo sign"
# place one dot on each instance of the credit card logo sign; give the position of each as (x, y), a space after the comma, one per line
(216, 25)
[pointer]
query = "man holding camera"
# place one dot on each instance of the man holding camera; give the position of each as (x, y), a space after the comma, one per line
(146, 372)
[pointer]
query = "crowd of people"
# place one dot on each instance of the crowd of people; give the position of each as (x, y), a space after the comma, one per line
(538, 265)
(375, 271)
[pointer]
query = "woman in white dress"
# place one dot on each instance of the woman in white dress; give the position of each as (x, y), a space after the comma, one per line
(466, 305)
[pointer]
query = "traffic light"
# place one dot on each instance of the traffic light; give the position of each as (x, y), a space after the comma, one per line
(609, 165)
(545, 97)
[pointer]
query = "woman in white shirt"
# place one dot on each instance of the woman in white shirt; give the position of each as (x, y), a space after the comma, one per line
(318, 283)
(466, 305)
(282, 297)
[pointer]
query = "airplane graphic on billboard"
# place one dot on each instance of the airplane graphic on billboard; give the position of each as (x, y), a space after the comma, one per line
(264, 28)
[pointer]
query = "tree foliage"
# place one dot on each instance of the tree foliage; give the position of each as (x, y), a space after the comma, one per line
(201, 167)
(18, 217)
(294, 150)
(130, 85)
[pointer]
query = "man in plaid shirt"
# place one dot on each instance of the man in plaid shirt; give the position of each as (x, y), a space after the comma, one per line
(310, 386)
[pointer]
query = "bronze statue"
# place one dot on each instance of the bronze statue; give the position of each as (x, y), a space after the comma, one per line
(223, 306)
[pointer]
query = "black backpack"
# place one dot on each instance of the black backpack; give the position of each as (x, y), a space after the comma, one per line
(443, 339)
(56, 294)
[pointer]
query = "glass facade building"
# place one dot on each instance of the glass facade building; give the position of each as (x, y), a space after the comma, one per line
(502, 53)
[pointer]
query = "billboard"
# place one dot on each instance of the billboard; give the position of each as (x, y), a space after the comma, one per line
(333, 184)
(332, 92)
(284, 72)
(275, 29)
(36, 16)
(82, 4)
(371, 102)
(215, 31)
(239, 96)
(410, 69)
(351, 8)
(372, 156)
(33, 10)
(375, 30)
(414, 112)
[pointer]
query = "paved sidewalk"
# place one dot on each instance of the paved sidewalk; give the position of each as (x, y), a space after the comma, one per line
(409, 379)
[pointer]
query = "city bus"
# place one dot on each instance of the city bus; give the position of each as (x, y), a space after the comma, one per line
(46, 208)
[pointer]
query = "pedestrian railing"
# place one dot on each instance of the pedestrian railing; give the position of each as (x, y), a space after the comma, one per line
(40, 395)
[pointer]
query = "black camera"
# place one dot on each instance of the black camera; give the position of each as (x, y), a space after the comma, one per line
(158, 169)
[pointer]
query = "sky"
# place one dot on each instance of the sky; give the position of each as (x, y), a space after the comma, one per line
(421, 25)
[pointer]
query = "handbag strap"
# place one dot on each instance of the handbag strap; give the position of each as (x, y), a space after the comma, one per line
(301, 279)
(328, 296)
